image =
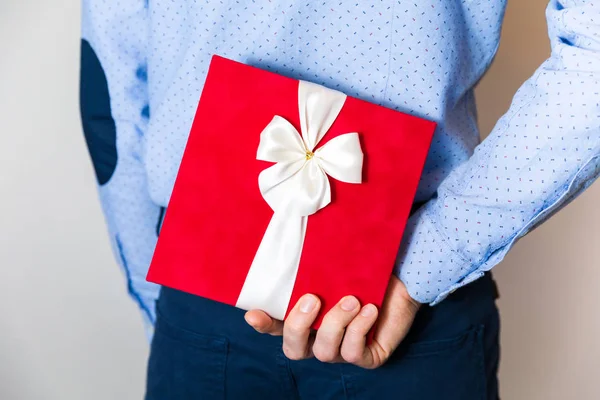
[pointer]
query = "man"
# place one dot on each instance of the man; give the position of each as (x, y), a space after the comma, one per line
(143, 67)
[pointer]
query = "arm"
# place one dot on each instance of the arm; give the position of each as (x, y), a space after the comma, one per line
(114, 112)
(541, 154)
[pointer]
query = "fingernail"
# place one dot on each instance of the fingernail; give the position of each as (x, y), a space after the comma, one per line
(250, 322)
(368, 310)
(308, 304)
(349, 303)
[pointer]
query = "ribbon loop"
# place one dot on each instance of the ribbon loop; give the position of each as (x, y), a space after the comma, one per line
(280, 142)
(341, 158)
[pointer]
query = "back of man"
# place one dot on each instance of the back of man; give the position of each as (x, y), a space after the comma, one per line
(470, 208)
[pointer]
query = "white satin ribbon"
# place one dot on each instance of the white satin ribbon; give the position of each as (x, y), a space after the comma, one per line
(295, 187)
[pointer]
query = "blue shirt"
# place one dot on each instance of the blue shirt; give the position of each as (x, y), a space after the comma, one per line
(422, 58)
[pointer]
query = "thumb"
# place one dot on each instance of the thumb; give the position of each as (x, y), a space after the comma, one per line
(263, 323)
(396, 317)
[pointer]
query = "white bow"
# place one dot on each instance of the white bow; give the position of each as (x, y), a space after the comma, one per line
(295, 187)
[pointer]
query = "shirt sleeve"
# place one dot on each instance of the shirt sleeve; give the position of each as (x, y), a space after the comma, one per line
(540, 155)
(115, 113)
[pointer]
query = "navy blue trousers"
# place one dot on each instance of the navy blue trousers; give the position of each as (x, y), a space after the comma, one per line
(205, 350)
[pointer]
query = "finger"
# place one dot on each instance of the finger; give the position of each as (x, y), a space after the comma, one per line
(354, 349)
(263, 323)
(296, 328)
(396, 316)
(331, 332)
(395, 319)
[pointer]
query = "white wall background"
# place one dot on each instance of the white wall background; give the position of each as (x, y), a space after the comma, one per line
(67, 328)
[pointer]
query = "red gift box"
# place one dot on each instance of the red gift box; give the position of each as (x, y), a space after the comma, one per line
(338, 180)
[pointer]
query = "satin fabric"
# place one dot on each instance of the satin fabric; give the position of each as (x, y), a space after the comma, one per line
(295, 187)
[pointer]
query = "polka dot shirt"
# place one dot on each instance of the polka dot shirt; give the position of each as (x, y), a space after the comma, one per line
(419, 57)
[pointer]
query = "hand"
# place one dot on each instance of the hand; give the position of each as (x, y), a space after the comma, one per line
(342, 334)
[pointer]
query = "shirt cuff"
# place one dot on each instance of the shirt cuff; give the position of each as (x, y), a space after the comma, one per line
(427, 265)
(432, 269)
